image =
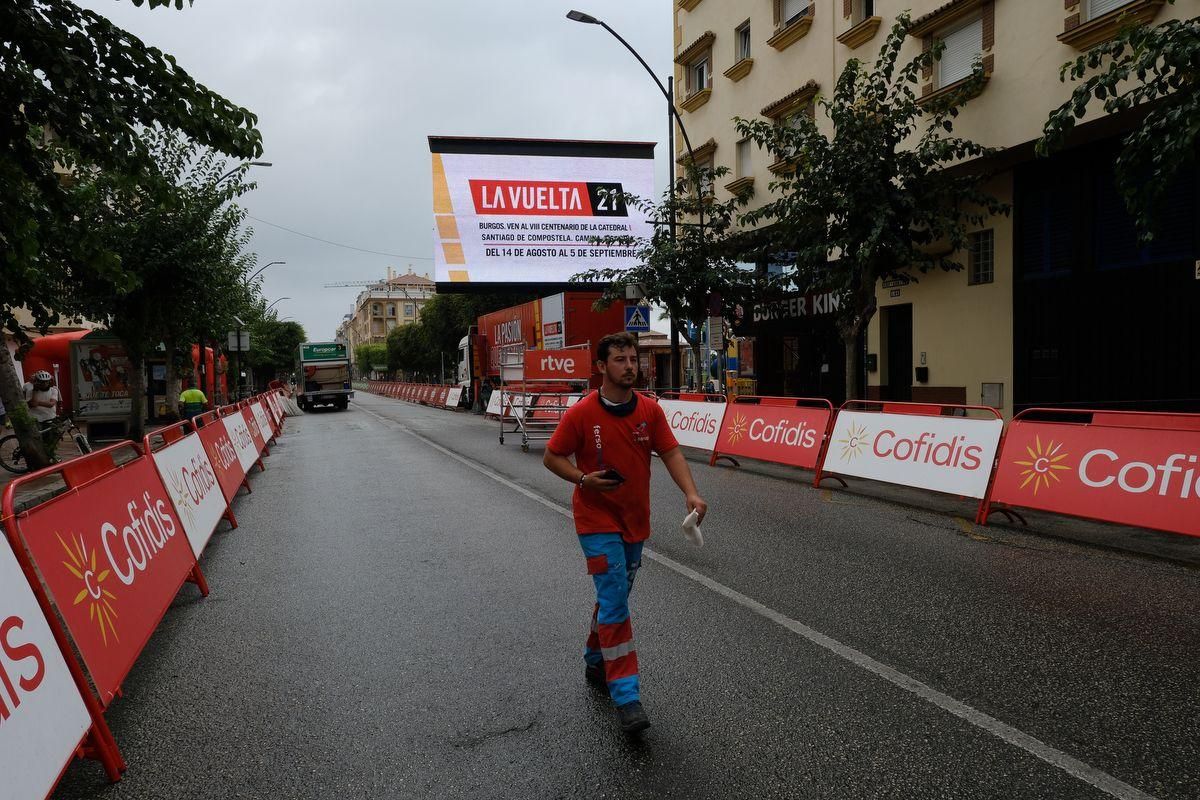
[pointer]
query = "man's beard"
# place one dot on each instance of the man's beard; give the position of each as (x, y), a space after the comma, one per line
(623, 379)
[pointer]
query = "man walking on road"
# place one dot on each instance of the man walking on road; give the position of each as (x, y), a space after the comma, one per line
(610, 433)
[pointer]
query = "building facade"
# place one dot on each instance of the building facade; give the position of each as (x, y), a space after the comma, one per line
(381, 308)
(1058, 303)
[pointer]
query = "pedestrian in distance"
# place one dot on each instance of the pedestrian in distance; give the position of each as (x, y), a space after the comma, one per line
(191, 400)
(610, 433)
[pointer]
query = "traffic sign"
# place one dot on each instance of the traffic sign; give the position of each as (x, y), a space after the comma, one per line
(637, 318)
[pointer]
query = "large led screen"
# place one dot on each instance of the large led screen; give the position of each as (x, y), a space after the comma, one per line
(520, 211)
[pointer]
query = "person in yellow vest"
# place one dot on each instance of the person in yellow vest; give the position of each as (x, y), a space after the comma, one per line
(191, 400)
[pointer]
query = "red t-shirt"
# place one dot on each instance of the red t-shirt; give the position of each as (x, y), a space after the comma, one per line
(599, 439)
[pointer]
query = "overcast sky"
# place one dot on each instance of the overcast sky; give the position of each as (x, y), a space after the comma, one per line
(347, 91)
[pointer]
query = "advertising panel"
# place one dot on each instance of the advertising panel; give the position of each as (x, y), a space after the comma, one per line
(532, 211)
(243, 442)
(553, 322)
(945, 454)
(558, 365)
(264, 425)
(694, 423)
(259, 437)
(1130, 475)
(223, 457)
(112, 555)
(780, 434)
(192, 484)
(510, 326)
(101, 378)
(454, 397)
(44, 718)
(493, 406)
(322, 351)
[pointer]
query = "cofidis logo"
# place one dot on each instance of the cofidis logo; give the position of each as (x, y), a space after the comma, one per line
(124, 553)
(924, 448)
(783, 432)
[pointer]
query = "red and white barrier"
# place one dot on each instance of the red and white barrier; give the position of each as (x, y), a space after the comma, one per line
(905, 443)
(223, 455)
(112, 553)
(454, 397)
(1131, 468)
(191, 481)
(239, 434)
(45, 718)
(694, 418)
(266, 430)
(782, 430)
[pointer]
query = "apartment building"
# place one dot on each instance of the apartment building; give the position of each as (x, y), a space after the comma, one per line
(384, 306)
(1058, 303)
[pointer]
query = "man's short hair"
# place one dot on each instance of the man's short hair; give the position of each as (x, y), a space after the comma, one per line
(620, 340)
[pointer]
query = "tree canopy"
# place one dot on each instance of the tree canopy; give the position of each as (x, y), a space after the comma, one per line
(872, 194)
(1153, 68)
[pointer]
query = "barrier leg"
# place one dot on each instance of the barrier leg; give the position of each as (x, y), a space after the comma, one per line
(246, 483)
(197, 577)
(229, 517)
(1010, 514)
(261, 468)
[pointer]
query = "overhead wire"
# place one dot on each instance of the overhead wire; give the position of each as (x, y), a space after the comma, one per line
(337, 244)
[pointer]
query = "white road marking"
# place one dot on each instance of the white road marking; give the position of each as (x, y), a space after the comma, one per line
(1030, 744)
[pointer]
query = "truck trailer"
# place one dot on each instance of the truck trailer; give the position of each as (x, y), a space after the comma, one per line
(323, 369)
(550, 323)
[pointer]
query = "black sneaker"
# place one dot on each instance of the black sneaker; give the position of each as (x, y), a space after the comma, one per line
(632, 717)
(594, 675)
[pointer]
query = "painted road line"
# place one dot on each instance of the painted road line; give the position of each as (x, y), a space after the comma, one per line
(1002, 730)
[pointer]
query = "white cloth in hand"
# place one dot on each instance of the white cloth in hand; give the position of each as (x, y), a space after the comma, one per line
(691, 530)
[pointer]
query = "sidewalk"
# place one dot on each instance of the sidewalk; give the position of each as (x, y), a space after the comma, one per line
(1173, 547)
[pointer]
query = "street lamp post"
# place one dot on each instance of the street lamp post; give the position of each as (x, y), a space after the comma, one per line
(259, 271)
(242, 166)
(273, 302)
(672, 117)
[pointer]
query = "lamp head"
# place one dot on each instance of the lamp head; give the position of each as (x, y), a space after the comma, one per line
(579, 16)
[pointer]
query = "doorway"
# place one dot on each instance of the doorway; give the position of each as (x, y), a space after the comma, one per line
(898, 327)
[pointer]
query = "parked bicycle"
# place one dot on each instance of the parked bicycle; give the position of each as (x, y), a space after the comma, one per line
(12, 458)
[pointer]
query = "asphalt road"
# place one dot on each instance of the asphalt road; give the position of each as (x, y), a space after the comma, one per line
(401, 615)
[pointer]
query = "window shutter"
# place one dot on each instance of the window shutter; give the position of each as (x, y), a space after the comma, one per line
(793, 9)
(743, 158)
(963, 46)
(1097, 8)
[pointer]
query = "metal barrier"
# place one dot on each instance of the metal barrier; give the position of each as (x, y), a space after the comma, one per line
(941, 447)
(1126, 467)
(781, 430)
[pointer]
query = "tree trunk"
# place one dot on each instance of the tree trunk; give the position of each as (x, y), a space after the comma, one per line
(850, 342)
(172, 383)
(700, 366)
(24, 425)
(137, 396)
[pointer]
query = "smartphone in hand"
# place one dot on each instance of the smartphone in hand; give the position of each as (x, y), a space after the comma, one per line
(611, 474)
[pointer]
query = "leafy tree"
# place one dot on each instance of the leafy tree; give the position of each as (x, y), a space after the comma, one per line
(1154, 68)
(418, 348)
(695, 272)
(873, 197)
(180, 241)
(274, 345)
(408, 351)
(76, 91)
(368, 356)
